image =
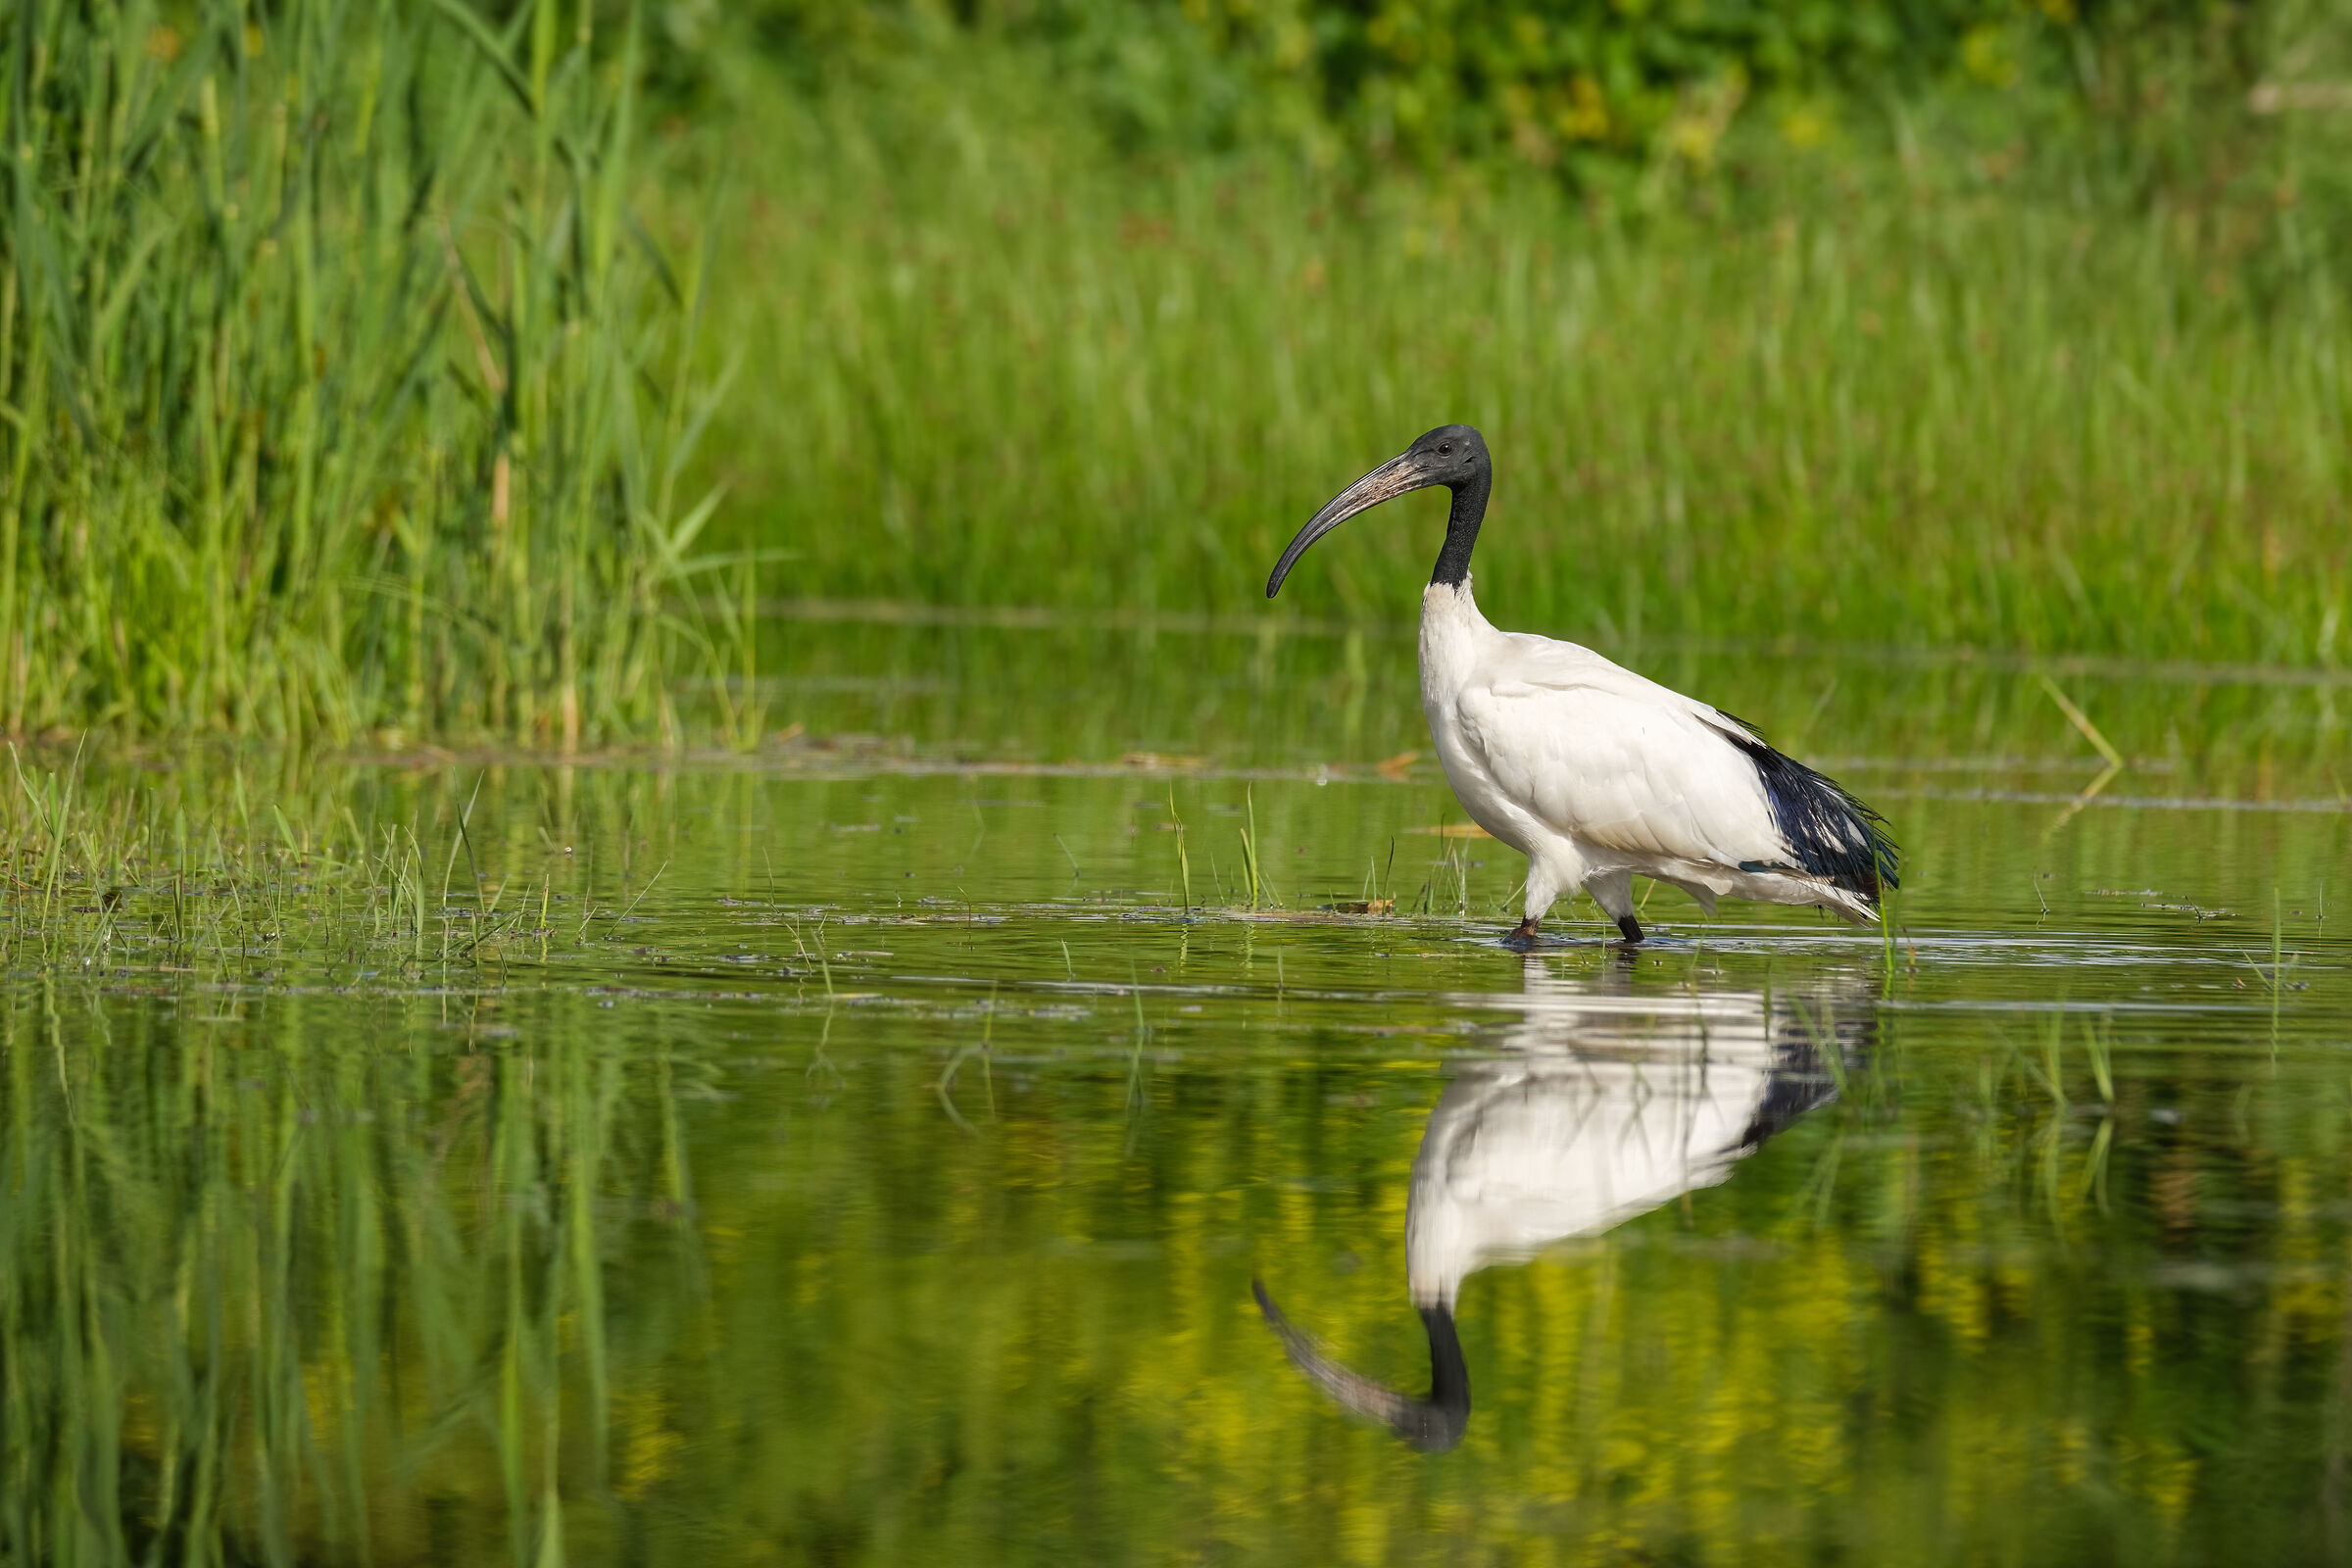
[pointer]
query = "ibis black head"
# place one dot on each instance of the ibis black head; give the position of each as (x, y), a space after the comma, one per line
(1453, 456)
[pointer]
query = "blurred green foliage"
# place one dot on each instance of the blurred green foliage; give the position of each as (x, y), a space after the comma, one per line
(1865, 401)
(1585, 85)
(352, 372)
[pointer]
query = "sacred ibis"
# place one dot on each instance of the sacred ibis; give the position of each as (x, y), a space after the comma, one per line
(1590, 770)
(1609, 1106)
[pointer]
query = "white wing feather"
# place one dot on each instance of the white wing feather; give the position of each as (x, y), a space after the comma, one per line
(1613, 759)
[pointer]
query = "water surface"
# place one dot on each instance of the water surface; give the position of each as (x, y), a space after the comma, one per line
(860, 1148)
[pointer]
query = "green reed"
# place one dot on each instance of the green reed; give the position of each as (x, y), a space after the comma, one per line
(1875, 403)
(344, 388)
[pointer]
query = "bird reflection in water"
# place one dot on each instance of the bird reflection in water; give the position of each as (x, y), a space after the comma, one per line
(1606, 1106)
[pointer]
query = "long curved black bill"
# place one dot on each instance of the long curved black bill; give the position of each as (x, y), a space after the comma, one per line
(1434, 1424)
(1390, 479)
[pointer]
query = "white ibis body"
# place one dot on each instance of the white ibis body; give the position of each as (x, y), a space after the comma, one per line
(1593, 772)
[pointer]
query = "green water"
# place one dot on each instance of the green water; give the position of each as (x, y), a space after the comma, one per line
(854, 1152)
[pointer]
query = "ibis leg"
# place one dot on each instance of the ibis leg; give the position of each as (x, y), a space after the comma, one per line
(1631, 927)
(1524, 938)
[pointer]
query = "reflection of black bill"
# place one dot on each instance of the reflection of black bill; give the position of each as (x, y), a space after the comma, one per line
(1434, 1424)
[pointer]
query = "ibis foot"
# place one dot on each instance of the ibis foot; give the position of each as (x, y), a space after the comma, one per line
(1631, 927)
(1523, 940)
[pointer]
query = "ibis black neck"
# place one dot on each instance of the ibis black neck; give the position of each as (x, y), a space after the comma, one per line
(1461, 529)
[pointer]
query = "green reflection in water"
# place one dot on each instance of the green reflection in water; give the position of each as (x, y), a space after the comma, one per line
(810, 1160)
